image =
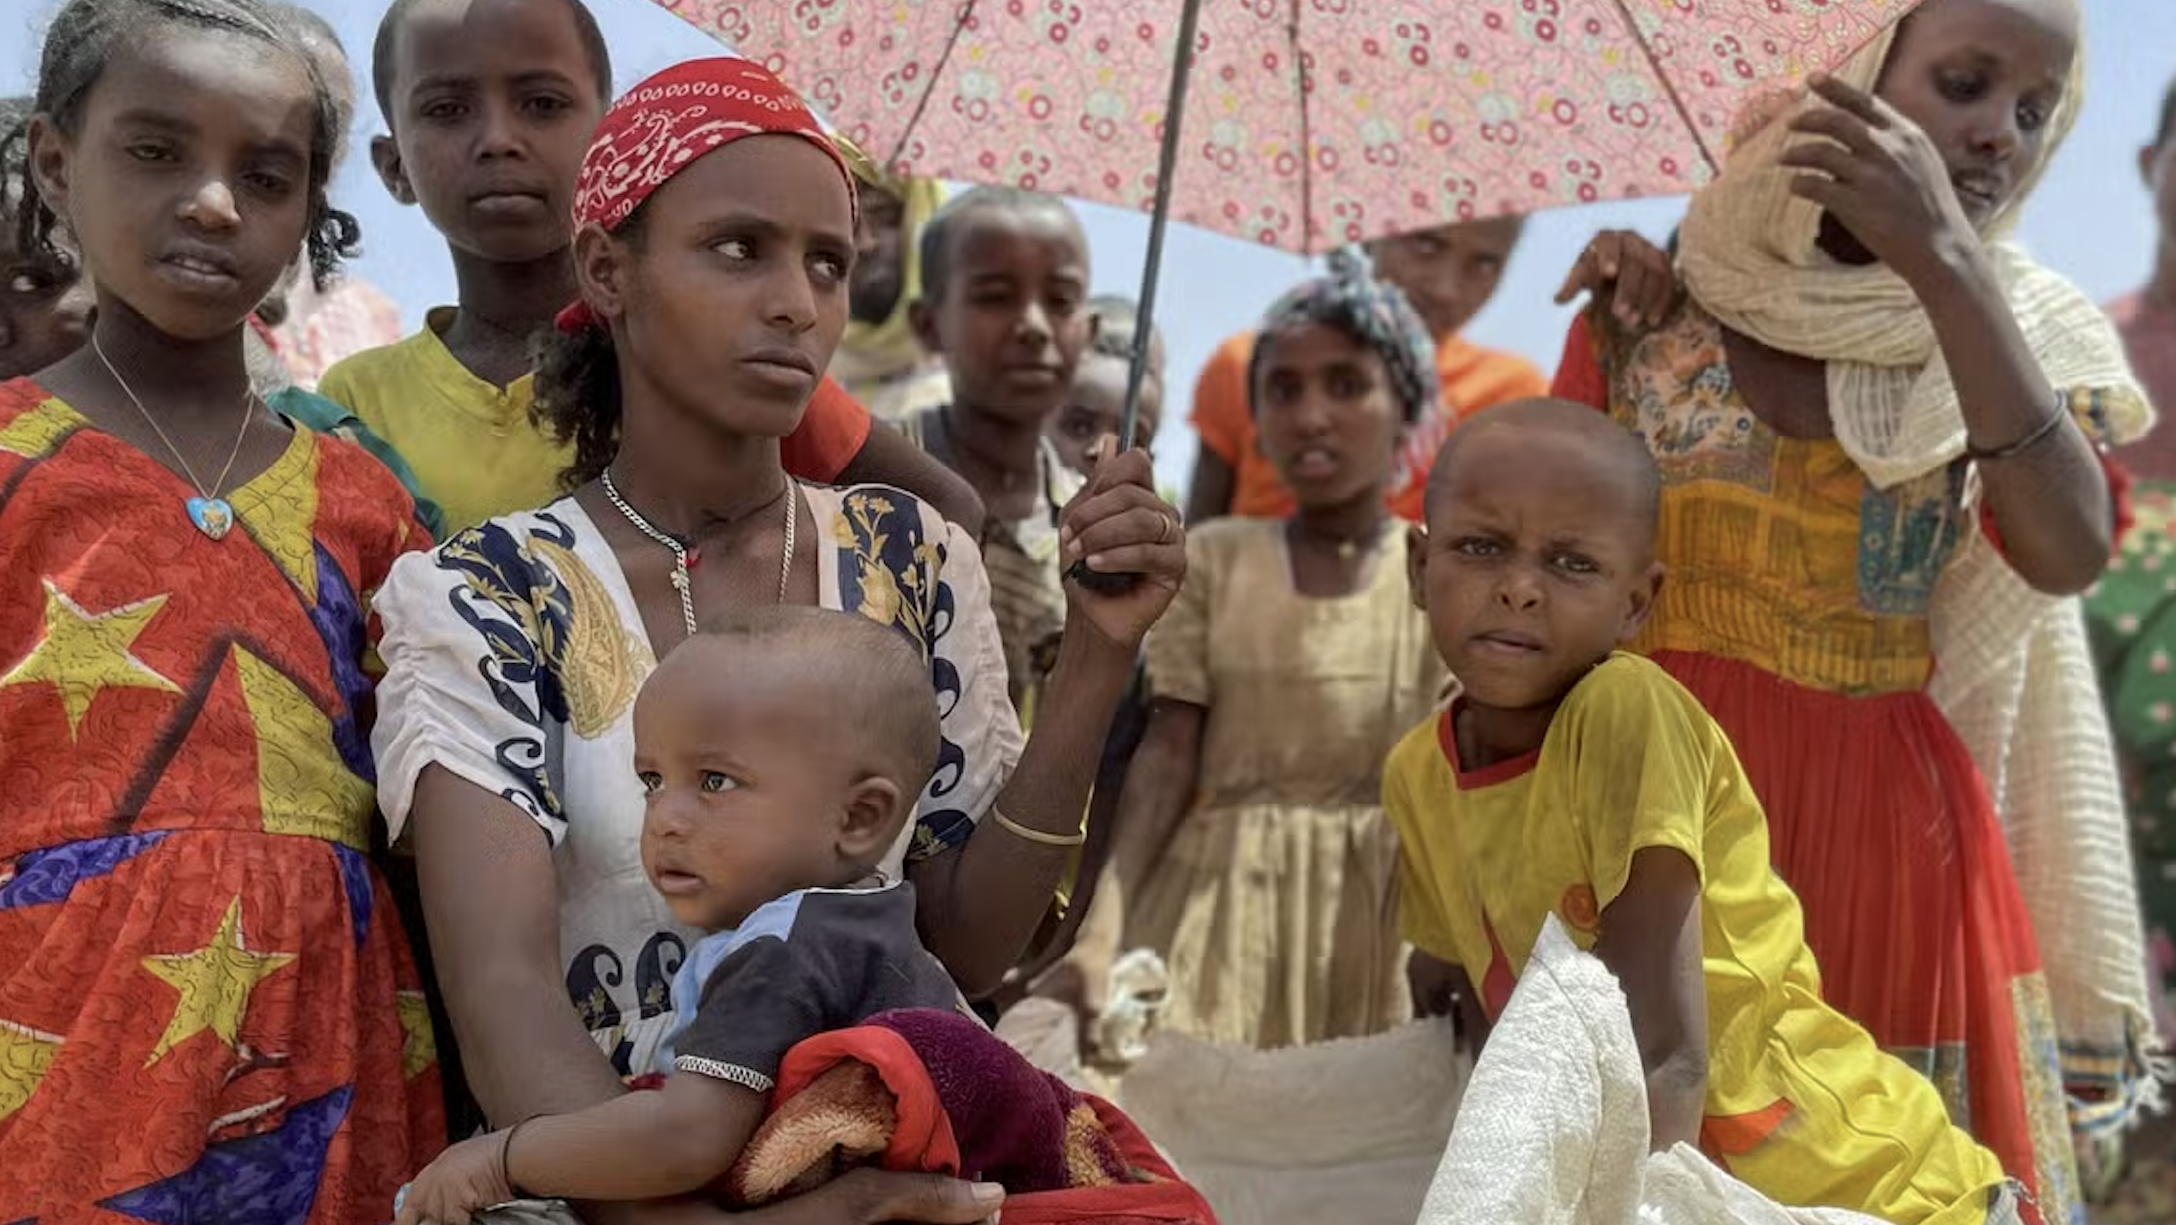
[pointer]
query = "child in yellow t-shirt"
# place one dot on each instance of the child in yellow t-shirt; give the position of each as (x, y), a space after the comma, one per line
(1572, 780)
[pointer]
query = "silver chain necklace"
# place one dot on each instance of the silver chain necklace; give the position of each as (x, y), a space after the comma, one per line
(685, 559)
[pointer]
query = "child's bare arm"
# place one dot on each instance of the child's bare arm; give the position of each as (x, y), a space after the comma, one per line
(1651, 941)
(638, 1146)
(1444, 989)
(1630, 277)
(1160, 784)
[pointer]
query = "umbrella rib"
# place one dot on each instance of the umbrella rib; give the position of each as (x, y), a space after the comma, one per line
(964, 14)
(1669, 88)
(1307, 132)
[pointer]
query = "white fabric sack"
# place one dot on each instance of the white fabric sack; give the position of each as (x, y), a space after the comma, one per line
(1347, 1132)
(1554, 1126)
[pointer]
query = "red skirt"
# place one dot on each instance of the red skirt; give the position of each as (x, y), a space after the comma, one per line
(208, 1025)
(1880, 823)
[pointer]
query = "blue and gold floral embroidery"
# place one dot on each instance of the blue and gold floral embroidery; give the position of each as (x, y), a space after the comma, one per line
(605, 662)
(892, 573)
(888, 571)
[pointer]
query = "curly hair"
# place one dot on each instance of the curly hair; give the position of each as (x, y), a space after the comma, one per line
(87, 35)
(577, 386)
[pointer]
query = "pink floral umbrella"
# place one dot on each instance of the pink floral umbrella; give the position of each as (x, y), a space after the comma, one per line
(1414, 113)
(1311, 123)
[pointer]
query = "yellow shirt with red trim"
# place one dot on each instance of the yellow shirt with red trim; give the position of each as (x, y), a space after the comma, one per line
(476, 450)
(1801, 1104)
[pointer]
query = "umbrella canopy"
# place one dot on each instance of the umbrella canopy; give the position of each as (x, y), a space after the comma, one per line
(1308, 123)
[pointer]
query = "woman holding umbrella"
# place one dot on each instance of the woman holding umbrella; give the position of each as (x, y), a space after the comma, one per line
(714, 249)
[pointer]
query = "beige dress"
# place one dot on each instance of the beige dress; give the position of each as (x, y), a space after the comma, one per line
(1275, 902)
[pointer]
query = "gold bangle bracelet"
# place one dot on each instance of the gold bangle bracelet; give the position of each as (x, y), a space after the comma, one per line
(1036, 836)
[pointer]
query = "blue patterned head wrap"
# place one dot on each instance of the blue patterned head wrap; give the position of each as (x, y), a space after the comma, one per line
(1374, 312)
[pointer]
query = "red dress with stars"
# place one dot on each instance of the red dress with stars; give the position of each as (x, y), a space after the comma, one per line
(208, 1011)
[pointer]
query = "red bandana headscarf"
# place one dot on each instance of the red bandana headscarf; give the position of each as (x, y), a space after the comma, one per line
(660, 126)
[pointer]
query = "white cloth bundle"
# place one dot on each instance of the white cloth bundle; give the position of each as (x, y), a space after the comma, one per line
(1345, 1131)
(1553, 1129)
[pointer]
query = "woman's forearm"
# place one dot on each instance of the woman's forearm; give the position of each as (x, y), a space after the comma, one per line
(526, 1051)
(982, 903)
(2050, 499)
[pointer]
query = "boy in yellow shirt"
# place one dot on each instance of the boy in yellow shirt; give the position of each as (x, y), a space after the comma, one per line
(490, 105)
(1570, 779)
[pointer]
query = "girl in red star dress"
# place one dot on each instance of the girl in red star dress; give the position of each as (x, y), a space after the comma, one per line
(208, 1011)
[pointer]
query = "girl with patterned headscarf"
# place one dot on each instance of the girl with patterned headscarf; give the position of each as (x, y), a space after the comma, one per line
(1251, 850)
(1877, 421)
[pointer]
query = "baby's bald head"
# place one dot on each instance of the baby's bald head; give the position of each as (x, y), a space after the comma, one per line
(859, 689)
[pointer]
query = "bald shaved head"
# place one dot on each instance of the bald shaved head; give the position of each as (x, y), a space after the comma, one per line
(838, 662)
(1538, 559)
(1617, 457)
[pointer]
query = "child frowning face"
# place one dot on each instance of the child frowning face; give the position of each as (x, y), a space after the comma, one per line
(1537, 560)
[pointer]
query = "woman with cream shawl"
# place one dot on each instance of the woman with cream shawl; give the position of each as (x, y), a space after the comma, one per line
(878, 361)
(1879, 425)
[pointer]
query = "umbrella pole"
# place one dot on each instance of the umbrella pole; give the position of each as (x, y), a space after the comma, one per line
(1167, 158)
(1167, 162)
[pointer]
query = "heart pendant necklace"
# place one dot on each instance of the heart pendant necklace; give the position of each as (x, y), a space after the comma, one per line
(208, 511)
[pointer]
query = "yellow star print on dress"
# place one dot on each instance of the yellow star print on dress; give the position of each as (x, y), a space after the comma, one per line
(85, 652)
(214, 983)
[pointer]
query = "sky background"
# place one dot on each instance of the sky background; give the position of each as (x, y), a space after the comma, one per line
(2090, 220)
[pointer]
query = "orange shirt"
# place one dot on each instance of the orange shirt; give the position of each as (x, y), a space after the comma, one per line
(1473, 378)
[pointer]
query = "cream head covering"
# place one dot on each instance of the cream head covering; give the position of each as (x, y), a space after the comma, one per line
(871, 354)
(1748, 253)
(2014, 675)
